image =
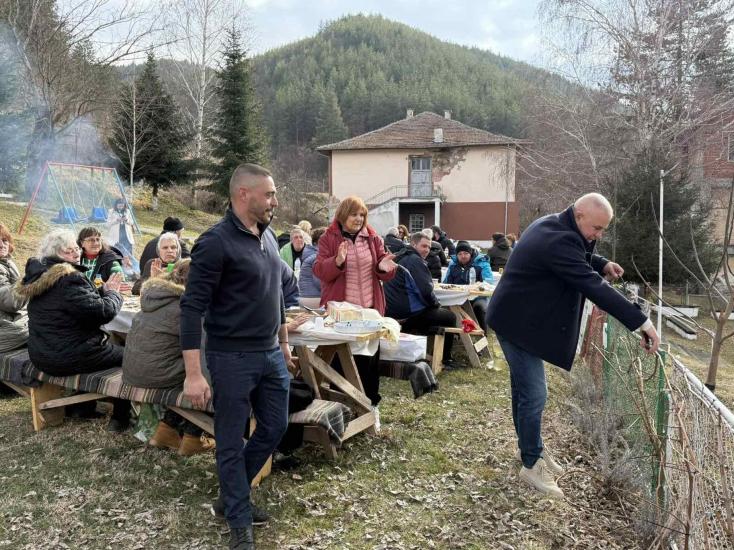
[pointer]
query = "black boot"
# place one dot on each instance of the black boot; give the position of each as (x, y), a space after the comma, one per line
(259, 516)
(242, 538)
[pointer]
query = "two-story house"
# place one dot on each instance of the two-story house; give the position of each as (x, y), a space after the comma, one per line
(429, 169)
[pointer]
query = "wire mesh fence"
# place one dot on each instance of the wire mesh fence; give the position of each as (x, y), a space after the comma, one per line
(677, 438)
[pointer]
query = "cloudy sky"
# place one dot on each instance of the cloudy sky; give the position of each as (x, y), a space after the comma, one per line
(507, 27)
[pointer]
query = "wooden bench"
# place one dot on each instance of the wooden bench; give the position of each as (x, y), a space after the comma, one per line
(48, 401)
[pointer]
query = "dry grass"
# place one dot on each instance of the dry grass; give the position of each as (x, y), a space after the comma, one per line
(441, 475)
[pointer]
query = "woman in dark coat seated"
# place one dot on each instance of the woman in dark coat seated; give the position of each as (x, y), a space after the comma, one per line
(65, 313)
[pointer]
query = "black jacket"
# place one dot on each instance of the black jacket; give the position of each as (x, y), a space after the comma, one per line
(499, 253)
(393, 244)
(538, 302)
(411, 291)
(150, 252)
(65, 312)
(435, 260)
(445, 242)
(235, 284)
(104, 263)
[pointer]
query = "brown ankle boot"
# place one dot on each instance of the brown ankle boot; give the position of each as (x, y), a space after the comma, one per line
(191, 445)
(165, 437)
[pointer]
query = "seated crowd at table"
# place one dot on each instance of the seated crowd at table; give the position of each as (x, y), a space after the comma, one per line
(75, 285)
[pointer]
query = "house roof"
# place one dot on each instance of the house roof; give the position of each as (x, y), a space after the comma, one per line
(417, 133)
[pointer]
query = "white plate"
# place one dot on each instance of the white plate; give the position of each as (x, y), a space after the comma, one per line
(358, 327)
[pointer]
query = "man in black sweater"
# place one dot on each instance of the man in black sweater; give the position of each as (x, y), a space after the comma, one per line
(235, 284)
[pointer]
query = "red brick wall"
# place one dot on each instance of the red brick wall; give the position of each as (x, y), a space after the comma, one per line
(715, 143)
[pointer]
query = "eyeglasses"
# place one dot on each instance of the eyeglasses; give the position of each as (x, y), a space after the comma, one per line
(74, 250)
(92, 239)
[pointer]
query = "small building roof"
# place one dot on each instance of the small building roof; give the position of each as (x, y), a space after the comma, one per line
(417, 132)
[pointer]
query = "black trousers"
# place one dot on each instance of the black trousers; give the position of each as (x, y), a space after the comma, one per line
(426, 322)
(368, 367)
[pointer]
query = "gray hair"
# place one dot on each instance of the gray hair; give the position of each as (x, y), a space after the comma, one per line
(428, 232)
(53, 243)
(393, 231)
(168, 236)
(297, 231)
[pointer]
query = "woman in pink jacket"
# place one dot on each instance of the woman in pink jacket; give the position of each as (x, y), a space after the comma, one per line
(351, 264)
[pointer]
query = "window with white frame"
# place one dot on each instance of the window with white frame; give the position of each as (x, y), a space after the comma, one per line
(416, 222)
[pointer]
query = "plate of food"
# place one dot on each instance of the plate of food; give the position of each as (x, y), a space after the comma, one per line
(358, 326)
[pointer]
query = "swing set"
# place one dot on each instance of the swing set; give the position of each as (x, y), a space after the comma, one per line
(77, 194)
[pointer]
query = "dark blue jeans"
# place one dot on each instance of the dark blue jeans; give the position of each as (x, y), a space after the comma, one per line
(529, 393)
(244, 381)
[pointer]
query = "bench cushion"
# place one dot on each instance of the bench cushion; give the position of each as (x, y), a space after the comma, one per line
(330, 415)
(16, 367)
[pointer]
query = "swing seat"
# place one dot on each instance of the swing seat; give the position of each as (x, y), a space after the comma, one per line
(67, 215)
(99, 214)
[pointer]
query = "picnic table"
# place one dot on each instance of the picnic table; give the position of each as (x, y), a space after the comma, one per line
(457, 299)
(315, 349)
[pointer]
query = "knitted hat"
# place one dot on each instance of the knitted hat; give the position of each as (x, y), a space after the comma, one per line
(463, 246)
(172, 224)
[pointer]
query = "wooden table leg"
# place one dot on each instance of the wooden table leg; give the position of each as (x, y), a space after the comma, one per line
(484, 343)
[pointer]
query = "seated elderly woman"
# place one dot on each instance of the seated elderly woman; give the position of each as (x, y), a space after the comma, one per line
(13, 318)
(295, 252)
(97, 256)
(169, 252)
(65, 313)
(153, 356)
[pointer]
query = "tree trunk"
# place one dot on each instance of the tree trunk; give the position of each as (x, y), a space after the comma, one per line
(716, 344)
(40, 148)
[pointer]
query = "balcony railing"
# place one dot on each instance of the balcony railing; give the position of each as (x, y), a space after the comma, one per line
(415, 191)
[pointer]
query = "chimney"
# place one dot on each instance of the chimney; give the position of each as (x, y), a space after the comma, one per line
(447, 114)
(409, 113)
(438, 135)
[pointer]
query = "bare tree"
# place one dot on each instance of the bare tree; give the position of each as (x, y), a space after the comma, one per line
(66, 52)
(129, 135)
(638, 72)
(197, 31)
(718, 288)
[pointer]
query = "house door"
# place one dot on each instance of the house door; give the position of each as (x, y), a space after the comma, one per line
(421, 180)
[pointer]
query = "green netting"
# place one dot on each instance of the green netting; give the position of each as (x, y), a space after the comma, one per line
(635, 389)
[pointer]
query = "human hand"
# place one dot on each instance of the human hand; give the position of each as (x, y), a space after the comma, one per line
(156, 268)
(127, 262)
(387, 263)
(612, 271)
(341, 254)
(650, 340)
(297, 322)
(287, 356)
(196, 389)
(114, 282)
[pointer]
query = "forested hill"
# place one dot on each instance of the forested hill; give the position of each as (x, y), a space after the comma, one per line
(362, 72)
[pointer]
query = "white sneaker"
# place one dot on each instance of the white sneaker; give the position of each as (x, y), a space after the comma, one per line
(376, 412)
(540, 477)
(554, 467)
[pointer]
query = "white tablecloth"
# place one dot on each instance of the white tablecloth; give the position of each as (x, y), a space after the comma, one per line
(312, 337)
(124, 319)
